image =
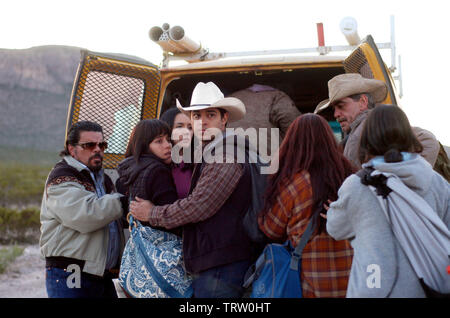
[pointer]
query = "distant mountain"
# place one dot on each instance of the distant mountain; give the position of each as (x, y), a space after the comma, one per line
(35, 89)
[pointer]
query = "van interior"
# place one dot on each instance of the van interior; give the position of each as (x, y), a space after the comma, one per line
(305, 86)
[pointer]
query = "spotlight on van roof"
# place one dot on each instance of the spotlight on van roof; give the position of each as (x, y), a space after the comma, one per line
(348, 27)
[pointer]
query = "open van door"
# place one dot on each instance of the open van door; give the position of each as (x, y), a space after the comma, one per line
(115, 91)
(367, 61)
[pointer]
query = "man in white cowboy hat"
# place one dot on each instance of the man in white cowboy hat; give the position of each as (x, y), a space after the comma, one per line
(216, 249)
(210, 111)
(352, 97)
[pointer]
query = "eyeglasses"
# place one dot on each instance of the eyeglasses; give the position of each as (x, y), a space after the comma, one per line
(92, 145)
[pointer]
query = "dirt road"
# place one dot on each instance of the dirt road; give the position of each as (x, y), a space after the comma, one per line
(25, 277)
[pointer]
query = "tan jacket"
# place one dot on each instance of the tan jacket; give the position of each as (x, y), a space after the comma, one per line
(74, 221)
(270, 108)
(429, 143)
(351, 149)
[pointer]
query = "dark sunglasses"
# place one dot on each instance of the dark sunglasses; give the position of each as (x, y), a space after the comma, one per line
(92, 145)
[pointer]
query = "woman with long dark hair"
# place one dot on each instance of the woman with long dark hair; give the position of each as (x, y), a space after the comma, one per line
(181, 136)
(311, 170)
(146, 173)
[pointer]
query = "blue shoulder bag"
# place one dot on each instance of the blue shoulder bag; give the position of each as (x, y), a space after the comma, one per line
(276, 273)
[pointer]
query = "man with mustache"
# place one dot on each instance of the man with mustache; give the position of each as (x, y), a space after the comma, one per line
(352, 97)
(81, 229)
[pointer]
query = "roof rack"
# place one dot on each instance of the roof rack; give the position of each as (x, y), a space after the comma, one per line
(176, 46)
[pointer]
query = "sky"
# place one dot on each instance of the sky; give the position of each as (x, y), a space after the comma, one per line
(421, 34)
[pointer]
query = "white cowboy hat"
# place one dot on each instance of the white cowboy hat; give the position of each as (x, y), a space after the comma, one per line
(344, 85)
(209, 95)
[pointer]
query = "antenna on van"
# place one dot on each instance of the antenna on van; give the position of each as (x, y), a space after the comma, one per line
(321, 38)
(393, 66)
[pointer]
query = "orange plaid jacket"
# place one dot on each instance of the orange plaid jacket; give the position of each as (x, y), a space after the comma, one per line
(326, 263)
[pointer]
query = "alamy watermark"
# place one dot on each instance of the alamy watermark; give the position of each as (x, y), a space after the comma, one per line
(235, 145)
(374, 279)
(74, 279)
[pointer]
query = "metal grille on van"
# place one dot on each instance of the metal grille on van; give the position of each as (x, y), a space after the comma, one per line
(116, 96)
(357, 63)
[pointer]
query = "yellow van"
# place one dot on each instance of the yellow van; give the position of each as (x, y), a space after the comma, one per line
(117, 91)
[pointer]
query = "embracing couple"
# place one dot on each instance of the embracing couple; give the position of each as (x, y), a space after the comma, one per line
(216, 250)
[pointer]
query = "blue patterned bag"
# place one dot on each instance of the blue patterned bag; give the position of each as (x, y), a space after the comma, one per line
(152, 264)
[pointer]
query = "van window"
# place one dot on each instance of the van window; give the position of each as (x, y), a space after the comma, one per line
(116, 102)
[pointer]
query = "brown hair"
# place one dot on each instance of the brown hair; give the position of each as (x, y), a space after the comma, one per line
(387, 132)
(310, 145)
(143, 134)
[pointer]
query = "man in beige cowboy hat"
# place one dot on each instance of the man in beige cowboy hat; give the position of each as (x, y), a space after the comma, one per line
(216, 249)
(352, 96)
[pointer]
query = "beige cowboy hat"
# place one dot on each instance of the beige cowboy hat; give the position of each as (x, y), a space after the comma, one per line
(208, 95)
(345, 85)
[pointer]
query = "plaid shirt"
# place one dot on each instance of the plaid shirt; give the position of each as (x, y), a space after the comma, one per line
(326, 263)
(216, 183)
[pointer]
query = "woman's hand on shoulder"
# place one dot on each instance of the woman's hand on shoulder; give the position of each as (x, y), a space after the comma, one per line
(326, 207)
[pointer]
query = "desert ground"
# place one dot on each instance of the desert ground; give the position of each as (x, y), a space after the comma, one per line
(25, 277)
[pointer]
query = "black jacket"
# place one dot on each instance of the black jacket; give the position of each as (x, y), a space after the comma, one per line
(149, 179)
(220, 239)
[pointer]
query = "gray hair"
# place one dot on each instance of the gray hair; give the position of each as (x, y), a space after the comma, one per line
(370, 102)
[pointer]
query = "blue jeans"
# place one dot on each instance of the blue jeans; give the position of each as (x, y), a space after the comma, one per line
(56, 281)
(221, 282)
